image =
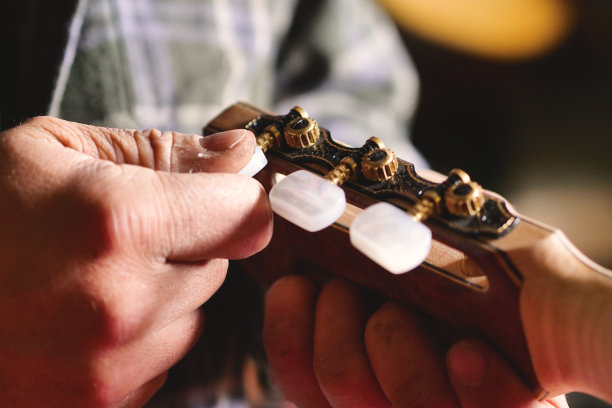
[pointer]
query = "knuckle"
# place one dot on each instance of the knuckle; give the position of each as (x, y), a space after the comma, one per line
(117, 309)
(108, 215)
(116, 321)
(41, 121)
(78, 221)
(101, 388)
(52, 126)
(115, 219)
(157, 150)
(117, 222)
(97, 219)
(96, 380)
(32, 128)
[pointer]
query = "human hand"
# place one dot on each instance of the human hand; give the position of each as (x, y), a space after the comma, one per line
(326, 351)
(108, 250)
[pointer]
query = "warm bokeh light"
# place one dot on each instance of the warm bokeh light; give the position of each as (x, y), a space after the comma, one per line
(500, 29)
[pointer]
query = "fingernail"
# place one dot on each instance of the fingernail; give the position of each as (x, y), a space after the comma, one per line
(467, 365)
(257, 162)
(222, 141)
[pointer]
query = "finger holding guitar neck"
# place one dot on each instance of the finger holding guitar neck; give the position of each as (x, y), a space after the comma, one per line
(482, 378)
(287, 337)
(407, 359)
(315, 345)
(340, 358)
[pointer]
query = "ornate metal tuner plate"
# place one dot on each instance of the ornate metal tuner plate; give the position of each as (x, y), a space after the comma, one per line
(372, 171)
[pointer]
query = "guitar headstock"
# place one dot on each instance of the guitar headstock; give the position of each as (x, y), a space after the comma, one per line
(377, 174)
(465, 280)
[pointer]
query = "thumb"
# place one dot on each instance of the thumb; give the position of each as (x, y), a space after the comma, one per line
(226, 152)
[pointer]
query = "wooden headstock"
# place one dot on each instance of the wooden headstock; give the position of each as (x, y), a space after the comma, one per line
(475, 271)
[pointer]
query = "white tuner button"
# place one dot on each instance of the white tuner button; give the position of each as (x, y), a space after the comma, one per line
(307, 200)
(390, 237)
(257, 162)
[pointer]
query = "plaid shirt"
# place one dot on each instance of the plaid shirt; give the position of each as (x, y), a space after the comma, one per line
(175, 64)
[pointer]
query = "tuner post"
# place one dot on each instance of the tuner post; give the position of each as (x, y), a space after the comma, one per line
(379, 164)
(343, 172)
(301, 132)
(428, 205)
(373, 143)
(299, 112)
(459, 174)
(464, 199)
(268, 138)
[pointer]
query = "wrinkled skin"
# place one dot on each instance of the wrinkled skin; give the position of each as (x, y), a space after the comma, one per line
(326, 350)
(109, 248)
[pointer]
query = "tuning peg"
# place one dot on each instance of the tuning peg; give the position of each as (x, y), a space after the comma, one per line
(390, 237)
(257, 162)
(307, 200)
(310, 201)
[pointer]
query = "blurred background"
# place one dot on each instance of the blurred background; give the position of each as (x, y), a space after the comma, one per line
(519, 94)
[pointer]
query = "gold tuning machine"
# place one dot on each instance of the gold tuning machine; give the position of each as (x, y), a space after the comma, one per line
(346, 170)
(372, 170)
(380, 163)
(301, 132)
(268, 138)
(464, 199)
(428, 205)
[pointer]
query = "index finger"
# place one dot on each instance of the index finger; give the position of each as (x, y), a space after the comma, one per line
(217, 216)
(182, 217)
